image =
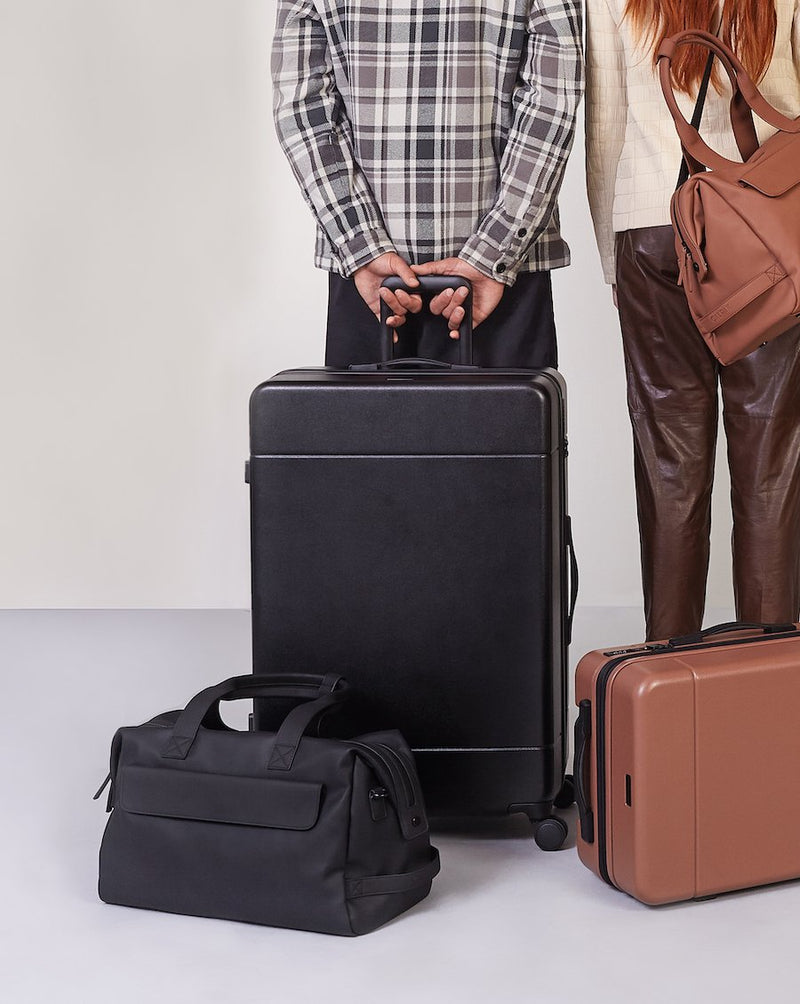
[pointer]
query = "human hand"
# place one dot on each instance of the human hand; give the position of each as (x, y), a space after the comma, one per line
(368, 281)
(486, 292)
(615, 296)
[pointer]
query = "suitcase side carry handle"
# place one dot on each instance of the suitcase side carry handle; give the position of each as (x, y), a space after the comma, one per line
(429, 286)
(573, 579)
(700, 636)
(583, 737)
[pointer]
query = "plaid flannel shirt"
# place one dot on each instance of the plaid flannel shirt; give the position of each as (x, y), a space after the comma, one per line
(430, 127)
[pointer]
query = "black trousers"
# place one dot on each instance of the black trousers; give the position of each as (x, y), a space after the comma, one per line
(520, 333)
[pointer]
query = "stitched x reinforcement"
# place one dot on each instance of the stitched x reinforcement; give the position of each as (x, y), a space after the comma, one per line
(282, 757)
(178, 746)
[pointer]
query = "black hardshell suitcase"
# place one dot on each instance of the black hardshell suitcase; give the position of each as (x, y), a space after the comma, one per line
(409, 530)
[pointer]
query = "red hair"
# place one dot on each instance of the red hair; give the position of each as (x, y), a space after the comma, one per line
(748, 26)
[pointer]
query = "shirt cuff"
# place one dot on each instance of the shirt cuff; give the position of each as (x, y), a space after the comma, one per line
(487, 258)
(499, 247)
(359, 249)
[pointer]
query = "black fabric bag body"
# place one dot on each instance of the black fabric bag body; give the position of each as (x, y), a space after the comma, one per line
(288, 829)
(409, 521)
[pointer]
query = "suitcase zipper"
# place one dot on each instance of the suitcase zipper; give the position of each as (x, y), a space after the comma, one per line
(600, 723)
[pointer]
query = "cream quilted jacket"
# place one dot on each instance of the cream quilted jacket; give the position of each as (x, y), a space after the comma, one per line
(633, 151)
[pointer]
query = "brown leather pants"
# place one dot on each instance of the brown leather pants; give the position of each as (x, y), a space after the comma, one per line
(673, 383)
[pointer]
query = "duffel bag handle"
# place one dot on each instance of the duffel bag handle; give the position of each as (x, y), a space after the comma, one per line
(204, 707)
(429, 286)
(294, 727)
(746, 99)
(728, 627)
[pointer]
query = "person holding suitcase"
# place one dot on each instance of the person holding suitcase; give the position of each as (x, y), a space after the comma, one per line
(633, 159)
(433, 135)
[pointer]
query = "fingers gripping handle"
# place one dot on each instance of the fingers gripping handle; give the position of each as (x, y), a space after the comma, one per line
(429, 286)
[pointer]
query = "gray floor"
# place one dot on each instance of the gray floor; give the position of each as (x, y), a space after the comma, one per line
(503, 918)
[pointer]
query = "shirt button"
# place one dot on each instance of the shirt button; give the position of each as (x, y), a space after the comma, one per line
(521, 232)
(500, 267)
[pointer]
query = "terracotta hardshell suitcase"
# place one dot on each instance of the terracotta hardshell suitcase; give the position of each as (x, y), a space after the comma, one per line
(687, 762)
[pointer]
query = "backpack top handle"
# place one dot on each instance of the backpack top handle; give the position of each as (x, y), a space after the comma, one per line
(746, 100)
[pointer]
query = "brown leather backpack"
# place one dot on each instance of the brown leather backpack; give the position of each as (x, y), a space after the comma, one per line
(737, 226)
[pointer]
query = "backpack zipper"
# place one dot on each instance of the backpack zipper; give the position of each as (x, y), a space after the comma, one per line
(694, 261)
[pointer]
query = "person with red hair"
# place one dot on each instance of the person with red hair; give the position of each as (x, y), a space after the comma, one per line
(633, 161)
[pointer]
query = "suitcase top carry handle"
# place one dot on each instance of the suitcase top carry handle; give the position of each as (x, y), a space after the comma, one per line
(700, 636)
(203, 709)
(429, 286)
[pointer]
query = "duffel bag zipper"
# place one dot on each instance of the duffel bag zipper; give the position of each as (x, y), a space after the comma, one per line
(377, 803)
(411, 817)
(152, 724)
(600, 721)
(405, 774)
(102, 787)
(386, 775)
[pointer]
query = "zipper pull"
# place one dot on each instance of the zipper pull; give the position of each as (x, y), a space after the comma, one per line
(682, 266)
(377, 803)
(102, 788)
(689, 270)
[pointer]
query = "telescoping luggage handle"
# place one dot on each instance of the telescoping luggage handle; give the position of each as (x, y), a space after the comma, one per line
(321, 693)
(429, 286)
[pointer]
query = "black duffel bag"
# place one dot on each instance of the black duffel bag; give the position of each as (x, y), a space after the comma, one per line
(286, 829)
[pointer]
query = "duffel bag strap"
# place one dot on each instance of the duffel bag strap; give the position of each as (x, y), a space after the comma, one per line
(381, 885)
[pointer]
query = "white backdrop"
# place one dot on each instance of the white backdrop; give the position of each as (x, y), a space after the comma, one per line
(155, 264)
